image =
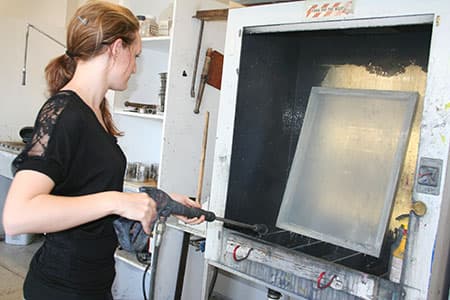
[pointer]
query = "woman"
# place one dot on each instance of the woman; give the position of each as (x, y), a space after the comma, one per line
(69, 179)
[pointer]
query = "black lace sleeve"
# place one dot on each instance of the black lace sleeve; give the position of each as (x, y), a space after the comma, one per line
(50, 148)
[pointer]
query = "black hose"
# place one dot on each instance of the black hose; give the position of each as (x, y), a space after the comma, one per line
(182, 266)
(143, 281)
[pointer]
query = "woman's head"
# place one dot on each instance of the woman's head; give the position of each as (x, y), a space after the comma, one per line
(94, 27)
(98, 27)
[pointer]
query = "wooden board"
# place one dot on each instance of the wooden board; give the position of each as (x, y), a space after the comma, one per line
(215, 70)
(212, 14)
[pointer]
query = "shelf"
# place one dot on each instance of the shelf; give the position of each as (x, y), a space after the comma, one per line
(159, 43)
(197, 230)
(133, 186)
(14, 147)
(129, 258)
(157, 116)
(156, 38)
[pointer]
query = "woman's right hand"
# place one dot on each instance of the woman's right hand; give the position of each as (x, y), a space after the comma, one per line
(139, 207)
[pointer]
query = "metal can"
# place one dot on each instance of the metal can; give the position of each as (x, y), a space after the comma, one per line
(130, 171)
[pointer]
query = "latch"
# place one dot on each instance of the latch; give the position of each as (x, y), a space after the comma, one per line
(417, 207)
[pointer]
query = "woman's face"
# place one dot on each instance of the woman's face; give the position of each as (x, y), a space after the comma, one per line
(124, 64)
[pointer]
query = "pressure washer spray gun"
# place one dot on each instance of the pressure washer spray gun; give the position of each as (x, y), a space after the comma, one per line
(167, 206)
(132, 237)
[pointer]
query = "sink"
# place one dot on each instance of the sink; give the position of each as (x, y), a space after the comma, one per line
(8, 152)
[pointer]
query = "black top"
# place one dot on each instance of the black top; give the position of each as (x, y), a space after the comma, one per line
(71, 147)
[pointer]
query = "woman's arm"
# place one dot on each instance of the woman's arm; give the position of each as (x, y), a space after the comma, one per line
(29, 207)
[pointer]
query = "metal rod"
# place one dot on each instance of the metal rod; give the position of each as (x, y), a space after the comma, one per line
(154, 261)
(275, 232)
(345, 257)
(27, 34)
(197, 55)
(24, 68)
(47, 35)
(236, 223)
(306, 245)
(160, 228)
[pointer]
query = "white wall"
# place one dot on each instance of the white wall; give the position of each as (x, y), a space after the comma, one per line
(19, 104)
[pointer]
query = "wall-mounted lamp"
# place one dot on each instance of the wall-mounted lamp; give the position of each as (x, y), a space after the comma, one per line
(24, 69)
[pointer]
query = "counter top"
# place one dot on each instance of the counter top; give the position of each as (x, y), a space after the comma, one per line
(8, 152)
(12, 146)
(129, 258)
(133, 186)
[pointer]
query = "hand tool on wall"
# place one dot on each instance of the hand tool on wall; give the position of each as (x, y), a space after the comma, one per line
(205, 15)
(215, 70)
(211, 74)
(203, 79)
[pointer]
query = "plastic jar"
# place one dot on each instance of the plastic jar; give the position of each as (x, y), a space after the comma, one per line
(152, 26)
(143, 26)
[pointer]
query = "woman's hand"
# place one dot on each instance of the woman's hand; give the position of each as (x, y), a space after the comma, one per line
(190, 203)
(139, 207)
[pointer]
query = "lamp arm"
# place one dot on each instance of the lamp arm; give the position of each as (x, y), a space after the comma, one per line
(25, 56)
(46, 34)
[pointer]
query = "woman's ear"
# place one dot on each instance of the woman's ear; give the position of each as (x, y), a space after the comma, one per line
(116, 47)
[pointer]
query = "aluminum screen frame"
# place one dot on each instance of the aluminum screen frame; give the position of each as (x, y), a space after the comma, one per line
(321, 215)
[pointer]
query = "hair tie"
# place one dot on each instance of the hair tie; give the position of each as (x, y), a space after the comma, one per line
(69, 54)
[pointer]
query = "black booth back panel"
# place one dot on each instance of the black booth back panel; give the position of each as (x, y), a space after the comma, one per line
(276, 73)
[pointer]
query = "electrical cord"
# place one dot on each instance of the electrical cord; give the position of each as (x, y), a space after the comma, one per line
(143, 281)
(241, 258)
(328, 284)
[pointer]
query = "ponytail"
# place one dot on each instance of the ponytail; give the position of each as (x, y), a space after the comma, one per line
(59, 72)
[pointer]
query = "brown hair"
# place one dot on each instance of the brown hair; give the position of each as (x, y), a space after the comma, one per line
(94, 26)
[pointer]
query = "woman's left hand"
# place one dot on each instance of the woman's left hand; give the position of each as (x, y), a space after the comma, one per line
(190, 203)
